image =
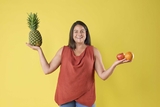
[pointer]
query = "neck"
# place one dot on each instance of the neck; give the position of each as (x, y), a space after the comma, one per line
(80, 46)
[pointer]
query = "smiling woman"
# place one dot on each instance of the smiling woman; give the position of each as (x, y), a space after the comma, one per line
(76, 82)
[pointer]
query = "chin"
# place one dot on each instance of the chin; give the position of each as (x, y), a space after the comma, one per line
(78, 42)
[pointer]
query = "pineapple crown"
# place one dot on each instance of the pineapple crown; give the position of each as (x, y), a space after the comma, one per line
(33, 21)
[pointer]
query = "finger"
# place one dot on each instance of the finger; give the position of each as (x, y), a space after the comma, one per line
(127, 61)
(28, 44)
(123, 60)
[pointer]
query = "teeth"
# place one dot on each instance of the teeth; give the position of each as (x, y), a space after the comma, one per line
(78, 37)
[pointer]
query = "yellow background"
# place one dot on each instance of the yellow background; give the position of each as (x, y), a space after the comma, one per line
(115, 26)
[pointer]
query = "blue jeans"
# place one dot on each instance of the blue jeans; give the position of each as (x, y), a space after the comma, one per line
(74, 104)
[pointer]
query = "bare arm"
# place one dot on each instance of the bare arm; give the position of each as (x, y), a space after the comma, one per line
(48, 67)
(99, 67)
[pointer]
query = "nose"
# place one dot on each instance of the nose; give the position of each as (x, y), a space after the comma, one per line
(79, 33)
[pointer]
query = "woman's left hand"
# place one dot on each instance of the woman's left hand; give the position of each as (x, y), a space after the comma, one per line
(121, 61)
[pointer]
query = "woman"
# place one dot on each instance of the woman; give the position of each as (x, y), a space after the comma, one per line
(78, 61)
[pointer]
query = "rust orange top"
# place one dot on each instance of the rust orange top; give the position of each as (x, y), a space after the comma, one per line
(76, 77)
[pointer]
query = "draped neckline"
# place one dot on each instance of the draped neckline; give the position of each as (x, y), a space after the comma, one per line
(80, 53)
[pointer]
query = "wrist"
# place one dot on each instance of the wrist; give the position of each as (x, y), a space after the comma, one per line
(39, 49)
(115, 64)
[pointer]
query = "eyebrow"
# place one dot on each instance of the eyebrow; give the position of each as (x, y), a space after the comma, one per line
(80, 30)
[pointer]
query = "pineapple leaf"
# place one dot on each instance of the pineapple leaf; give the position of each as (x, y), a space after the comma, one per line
(33, 21)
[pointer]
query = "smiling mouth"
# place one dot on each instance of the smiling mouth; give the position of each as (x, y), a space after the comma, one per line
(79, 37)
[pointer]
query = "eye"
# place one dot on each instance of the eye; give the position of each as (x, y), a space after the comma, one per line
(75, 31)
(82, 31)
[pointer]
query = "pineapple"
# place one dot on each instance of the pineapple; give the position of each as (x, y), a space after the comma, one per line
(35, 38)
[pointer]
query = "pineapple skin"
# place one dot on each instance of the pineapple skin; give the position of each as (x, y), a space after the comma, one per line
(35, 38)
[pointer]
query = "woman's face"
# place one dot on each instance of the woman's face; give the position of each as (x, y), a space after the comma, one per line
(79, 34)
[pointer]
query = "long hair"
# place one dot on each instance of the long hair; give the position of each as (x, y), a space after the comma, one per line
(71, 42)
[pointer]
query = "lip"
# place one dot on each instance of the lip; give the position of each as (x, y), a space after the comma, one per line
(79, 37)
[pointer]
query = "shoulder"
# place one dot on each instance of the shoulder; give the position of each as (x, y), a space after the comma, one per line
(59, 52)
(96, 51)
(64, 49)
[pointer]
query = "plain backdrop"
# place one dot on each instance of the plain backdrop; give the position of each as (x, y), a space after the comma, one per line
(115, 26)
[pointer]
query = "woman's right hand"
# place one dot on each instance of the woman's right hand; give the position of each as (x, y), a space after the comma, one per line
(33, 47)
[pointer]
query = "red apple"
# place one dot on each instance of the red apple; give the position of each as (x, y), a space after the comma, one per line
(120, 56)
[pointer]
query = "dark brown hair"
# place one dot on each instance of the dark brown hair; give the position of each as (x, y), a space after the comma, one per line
(71, 42)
